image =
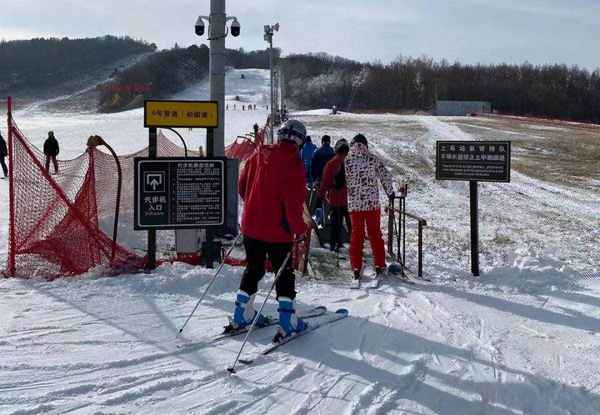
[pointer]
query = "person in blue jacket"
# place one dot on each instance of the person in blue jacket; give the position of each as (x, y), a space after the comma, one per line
(307, 153)
(321, 157)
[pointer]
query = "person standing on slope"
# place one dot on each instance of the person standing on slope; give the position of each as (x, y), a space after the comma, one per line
(334, 186)
(307, 153)
(363, 171)
(273, 188)
(320, 159)
(51, 150)
(3, 154)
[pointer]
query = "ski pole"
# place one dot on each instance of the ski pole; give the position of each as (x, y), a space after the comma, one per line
(210, 283)
(287, 258)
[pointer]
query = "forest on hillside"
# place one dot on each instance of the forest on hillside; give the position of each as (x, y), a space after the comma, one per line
(40, 63)
(169, 71)
(413, 84)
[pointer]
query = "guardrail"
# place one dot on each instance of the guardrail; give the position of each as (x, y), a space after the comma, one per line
(398, 228)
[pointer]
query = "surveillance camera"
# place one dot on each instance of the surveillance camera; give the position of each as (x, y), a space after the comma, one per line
(276, 27)
(267, 29)
(235, 28)
(199, 27)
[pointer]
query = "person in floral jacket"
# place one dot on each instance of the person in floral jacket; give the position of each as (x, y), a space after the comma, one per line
(364, 171)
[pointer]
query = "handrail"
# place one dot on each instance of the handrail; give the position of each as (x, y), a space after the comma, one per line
(400, 229)
(413, 216)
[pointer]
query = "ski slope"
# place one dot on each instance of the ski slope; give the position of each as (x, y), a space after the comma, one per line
(522, 339)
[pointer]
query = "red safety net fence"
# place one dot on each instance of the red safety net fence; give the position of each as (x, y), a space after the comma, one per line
(61, 224)
(244, 146)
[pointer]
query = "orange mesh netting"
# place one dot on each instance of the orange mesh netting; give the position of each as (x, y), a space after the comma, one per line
(61, 224)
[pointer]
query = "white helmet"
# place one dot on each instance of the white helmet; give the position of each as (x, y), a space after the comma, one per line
(292, 130)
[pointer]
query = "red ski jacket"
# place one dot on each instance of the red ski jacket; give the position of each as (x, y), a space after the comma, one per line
(273, 188)
(335, 197)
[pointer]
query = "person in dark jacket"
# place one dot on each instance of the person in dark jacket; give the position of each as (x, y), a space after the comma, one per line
(273, 188)
(3, 154)
(51, 151)
(333, 185)
(321, 157)
(307, 152)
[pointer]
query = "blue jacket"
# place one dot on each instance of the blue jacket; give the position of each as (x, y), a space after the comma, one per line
(320, 159)
(306, 153)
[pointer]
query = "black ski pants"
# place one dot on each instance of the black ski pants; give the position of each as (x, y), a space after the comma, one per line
(256, 254)
(4, 168)
(338, 214)
(54, 163)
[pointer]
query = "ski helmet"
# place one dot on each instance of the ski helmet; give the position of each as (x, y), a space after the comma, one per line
(292, 130)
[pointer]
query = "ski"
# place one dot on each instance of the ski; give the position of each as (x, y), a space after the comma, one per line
(338, 315)
(355, 284)
(273, 321)
(405, 280)
(374, 283)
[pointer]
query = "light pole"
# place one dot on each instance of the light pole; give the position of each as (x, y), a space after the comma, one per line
(217, 32)
(269, 30)
(215, 137)
(96, 141)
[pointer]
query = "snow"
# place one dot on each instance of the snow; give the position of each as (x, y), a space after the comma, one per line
(524, 338)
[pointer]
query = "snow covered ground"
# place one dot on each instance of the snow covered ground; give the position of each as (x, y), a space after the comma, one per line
(522, 339)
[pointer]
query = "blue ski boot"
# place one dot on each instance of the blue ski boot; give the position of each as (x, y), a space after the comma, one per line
(244, 313)
(289, 323)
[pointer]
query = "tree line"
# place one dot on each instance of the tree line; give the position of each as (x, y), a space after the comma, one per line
(409, 84)
(170, 71)
(40, 62)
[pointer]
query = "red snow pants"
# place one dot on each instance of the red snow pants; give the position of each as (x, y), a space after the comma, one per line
(372, 220)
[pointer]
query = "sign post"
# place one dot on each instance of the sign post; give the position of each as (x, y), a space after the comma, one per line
(162, 195)
(474, 228)
(473, 161)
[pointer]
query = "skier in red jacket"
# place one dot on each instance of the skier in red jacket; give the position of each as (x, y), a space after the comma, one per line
(273, 188)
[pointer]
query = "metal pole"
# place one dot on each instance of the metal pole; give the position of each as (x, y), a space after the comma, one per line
(152, 232)
(118, 202)
(210, 284)
(217, 71)
(182, 140)
(404, 232)
(474, 229)
(272, 92)
(11, 193)
(420, 249)
(391, 219)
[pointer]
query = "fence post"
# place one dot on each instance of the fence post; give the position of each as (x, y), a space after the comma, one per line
(391, 220)
(11, 194)
(420, 249)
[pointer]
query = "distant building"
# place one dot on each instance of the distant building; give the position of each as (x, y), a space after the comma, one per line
(461, 108)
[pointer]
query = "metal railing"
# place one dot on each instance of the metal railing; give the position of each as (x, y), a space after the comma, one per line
(397, 228)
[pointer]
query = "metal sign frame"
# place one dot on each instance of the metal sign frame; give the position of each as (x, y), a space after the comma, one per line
(139, 161)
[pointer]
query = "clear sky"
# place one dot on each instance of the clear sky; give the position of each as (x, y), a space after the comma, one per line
(471, 31)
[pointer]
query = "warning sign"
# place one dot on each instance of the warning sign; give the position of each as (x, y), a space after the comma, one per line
(486, 161)
(174, 114)
(176, 193)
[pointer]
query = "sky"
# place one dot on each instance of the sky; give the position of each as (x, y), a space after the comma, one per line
(469, 31)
